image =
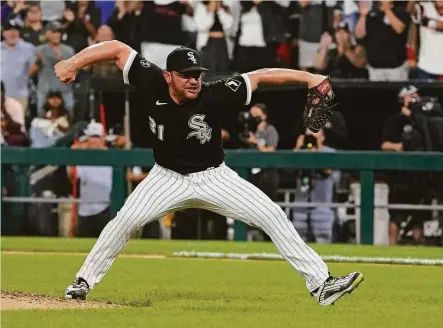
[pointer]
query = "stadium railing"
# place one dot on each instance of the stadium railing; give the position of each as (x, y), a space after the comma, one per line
(242, 161)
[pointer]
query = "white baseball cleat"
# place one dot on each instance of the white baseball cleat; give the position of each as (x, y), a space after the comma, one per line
(335, 287)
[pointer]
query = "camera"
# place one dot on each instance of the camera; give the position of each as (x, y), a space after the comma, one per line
(309, 142)
(249, 123)
(246, 119)
(426, 105)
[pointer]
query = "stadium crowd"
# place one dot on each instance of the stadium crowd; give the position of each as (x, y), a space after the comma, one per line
(362, 40)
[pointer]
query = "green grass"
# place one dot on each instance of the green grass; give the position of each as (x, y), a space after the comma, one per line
(177, 292)
(168, 247)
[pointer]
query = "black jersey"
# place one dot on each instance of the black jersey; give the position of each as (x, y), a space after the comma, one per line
(187, 136)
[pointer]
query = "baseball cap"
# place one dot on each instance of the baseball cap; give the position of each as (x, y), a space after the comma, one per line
(184, 60)
(407, 90)
(11, 24)
(94, 129)
(54, 26)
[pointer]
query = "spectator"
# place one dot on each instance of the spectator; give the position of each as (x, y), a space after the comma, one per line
(214, 23)
(52, 10)
(259, 31)
(48, 55)
(95, 185)
(226, 136)
(6, 9)
(14, 11)
(12, 120)
(350, 13)
(315, 224)
(400, 134)
(126, 23)
(33, 31)
(294, 16)
(81, 21)
(55, 123)
(106, 80)
(264, 137)
(335, 132)
(163, 31)
(316, 18)
(17, 56)
(341, 58)
(429, 18)
(105, 70)
(383, 31)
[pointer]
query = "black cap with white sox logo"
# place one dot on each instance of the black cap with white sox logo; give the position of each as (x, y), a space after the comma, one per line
(184, 60)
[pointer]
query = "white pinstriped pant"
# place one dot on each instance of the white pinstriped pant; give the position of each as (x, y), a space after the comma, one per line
(220, 190)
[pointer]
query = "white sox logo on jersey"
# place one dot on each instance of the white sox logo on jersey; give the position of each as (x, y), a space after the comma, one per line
(191, 57)
(202, 131)
(233, 84)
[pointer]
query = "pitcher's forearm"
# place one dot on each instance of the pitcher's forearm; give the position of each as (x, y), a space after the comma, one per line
(282, 76)
(103, 51)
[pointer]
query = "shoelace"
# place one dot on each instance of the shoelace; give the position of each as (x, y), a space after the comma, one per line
(79, 284)
(333, 280)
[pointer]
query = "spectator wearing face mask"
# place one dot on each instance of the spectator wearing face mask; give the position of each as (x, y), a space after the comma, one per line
(264, 137)
(341, 57)
(47, 56)
(383, 32)
(16, 59)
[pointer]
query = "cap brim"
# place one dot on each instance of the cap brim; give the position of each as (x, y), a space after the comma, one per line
(8, 28)
(194, 69)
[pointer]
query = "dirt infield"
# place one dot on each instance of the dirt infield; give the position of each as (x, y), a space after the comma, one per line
(25, 301)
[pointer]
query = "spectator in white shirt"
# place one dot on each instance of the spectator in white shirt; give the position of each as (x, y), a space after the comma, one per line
(95, 185)
(214, 23)
(428, 16)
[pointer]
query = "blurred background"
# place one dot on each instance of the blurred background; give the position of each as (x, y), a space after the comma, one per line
(384, 57)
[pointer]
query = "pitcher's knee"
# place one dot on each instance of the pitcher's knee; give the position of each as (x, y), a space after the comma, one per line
(277, 212)
(125, 221)
(272, 214)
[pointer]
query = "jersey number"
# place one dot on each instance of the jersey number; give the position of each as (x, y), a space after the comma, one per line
(158, 130)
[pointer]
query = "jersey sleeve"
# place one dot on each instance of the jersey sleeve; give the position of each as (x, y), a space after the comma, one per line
(140, 72)
(234, 91)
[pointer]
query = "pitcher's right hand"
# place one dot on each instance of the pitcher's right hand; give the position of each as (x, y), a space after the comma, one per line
(65, 71)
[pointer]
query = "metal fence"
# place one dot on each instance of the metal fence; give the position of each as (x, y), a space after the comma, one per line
(242, 161)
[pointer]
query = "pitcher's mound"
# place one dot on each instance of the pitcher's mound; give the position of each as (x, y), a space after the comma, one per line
(23, 301)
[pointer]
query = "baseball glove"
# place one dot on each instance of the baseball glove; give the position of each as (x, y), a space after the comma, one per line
(319, 105)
